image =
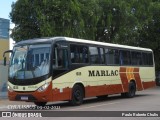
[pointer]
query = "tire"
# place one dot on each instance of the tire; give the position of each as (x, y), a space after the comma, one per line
(77, 95)
(40, 103)
(131, 91)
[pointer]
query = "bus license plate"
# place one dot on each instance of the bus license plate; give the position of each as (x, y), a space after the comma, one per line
(24, 97)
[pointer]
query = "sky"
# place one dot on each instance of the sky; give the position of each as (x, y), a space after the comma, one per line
(5, 9)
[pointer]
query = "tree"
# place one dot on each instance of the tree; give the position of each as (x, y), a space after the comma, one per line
(58, 18)
(133, 22)
(121, 20)
(43, 18)
(90, 14)
(25, 19)
(150, 34)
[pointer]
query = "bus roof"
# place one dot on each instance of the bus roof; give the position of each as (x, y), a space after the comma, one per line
(51, 39)
(105, 44)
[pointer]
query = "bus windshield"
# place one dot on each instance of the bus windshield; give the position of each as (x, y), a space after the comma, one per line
(30, 61)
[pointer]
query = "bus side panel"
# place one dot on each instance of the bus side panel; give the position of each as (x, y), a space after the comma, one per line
(124, 79)
(61, 94)
(138, 79)
(147, 76)
(96, 83)
(91, 91)
(150, 84)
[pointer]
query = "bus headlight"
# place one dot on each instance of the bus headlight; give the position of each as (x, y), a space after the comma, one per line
(10, 89)
(43, 87)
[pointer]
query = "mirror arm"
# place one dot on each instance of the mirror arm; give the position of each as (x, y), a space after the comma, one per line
(8, 51)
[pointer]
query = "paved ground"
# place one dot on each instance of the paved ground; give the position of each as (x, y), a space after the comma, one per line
(148, 100)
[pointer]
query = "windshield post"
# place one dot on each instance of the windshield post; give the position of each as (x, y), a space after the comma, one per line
(56, 58)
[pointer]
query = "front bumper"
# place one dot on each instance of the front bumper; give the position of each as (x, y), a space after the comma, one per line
(33, 96)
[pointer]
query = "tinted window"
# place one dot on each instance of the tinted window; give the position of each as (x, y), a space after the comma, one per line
(62, 58)
(101, 55)
(136, 58)
(79, 54)
(83, 52)
(94, 58)
(150, 57)
(147, 58)
(125, 58)
(112, 56)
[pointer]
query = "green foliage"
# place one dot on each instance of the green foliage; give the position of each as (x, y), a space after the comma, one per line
(150, 34)
(130, 22)
(24, 16)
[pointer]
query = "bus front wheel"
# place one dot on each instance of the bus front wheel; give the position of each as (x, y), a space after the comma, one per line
(77, 95)
(40, 103)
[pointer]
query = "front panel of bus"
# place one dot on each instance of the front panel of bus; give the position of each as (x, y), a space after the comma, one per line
(29, 73)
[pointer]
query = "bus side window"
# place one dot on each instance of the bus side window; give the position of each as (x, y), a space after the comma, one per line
(83, 52)
(74, 53)
(101, 55)
(147, 59)
(150, 57)
(136, 58)
(125, 57)
(112, 56)
(94, 58)
(65, 58)
(62, 58)
(79, 53)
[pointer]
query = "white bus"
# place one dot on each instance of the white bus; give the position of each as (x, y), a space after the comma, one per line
(63, 68)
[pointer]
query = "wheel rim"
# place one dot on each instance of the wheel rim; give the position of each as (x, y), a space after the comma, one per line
(77, 95)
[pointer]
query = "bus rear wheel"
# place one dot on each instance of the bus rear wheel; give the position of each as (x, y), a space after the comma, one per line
(40, 103)
(131, 92)
(77, 95)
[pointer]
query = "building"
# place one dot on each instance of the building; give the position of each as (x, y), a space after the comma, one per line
(4, 45)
